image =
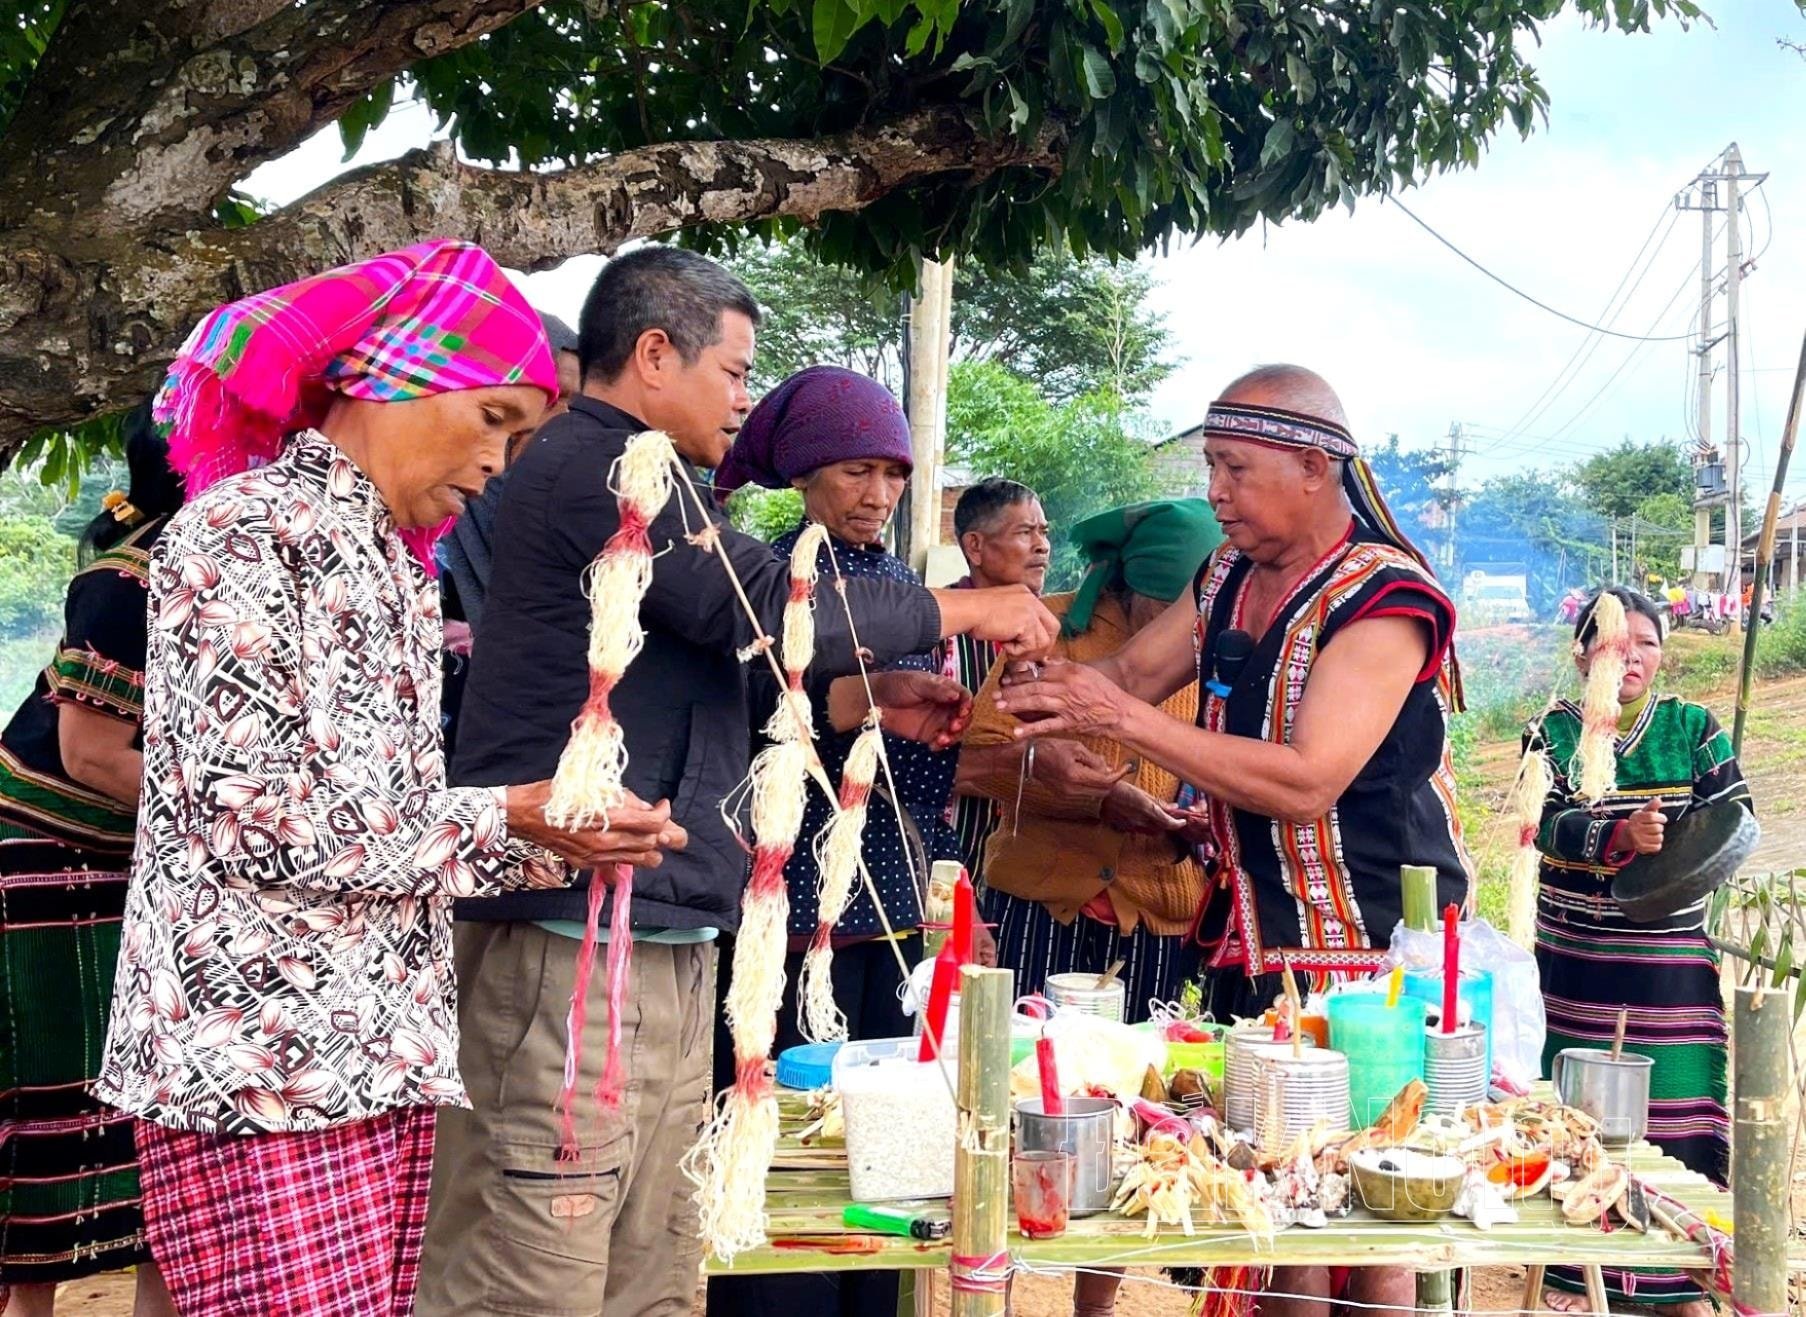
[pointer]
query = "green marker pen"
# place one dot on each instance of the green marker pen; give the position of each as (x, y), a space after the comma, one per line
(908, 1222)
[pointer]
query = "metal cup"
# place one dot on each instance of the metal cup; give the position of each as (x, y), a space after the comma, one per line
(1086, 1130)
(1614, 1093)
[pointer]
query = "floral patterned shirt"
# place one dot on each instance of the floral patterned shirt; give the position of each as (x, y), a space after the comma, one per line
(286, 957)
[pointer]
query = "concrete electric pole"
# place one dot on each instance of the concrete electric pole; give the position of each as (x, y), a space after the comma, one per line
(929, 343)
(1733, 433)
(1457, 434)
(1707, 197)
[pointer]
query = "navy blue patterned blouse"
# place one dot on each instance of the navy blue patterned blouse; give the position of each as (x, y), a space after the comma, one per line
(924, 780)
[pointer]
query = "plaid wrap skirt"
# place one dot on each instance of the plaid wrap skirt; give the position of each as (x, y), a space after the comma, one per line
(290, 1225)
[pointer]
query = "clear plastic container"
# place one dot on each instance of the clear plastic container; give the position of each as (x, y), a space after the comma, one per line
(901, 1120)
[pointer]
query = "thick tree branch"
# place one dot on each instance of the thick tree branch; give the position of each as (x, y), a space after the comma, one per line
(83, 333)
(147, 113)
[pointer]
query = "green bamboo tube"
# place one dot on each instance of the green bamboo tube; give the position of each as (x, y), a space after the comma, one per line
(1765, 554)
(1435, 1289)
(981, 1165)
(1760, 1148)
(1419, 882)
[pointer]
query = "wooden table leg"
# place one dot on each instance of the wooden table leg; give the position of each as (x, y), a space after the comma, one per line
(1533, 1289)
(1596, 1300)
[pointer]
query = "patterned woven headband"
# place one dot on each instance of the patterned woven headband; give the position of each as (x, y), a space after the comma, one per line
(1275, 425)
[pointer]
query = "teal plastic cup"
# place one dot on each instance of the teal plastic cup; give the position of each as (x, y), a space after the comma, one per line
(1384, 1047)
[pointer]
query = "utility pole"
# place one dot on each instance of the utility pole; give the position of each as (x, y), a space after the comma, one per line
(1616, 578)
(1733, 434)
(1793, 563)
(1705, 197)
(930, 341)
(1457, 433)
(1705, 200)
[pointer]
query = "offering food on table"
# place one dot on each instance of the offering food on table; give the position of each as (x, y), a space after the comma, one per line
(1400, 1184)
(1180, 1182)
(1153, 1087)
(1193, 1088)
(826, 1120)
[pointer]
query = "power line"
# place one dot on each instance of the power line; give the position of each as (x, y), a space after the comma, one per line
(1584, 350)
(1511, 287)
(1628, 358)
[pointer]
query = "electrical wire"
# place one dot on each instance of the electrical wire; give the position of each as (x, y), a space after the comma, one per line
(1768, 223)
(1513, 288)
(1629, 357)
(1588, 345)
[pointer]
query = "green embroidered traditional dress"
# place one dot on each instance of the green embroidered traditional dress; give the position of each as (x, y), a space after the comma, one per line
(68, 1171)
(1595, 961)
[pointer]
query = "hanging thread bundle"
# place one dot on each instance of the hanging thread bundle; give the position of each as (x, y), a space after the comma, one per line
(1528, 795)
(588, 782)
(729, 1163)
(837, 860)
(1597, 754)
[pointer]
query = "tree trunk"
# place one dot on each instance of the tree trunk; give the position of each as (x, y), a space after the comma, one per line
(144, 113)
(88, 326)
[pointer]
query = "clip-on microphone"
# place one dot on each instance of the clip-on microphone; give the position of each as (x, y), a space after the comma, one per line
(1229, 656)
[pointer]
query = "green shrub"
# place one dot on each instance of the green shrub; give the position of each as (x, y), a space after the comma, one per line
(766, 513)
(1781, 646)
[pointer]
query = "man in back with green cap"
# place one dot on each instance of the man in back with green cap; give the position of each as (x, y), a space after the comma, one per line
(1075, 880)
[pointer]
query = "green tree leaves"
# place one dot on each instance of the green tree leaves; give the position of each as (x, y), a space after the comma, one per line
(1180, 116)
(1081, 456)
(1071, 326)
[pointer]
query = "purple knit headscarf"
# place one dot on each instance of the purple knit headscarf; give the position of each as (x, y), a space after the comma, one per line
(820, 415)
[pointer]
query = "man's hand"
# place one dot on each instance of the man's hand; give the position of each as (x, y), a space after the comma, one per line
(1130, 809)
(637, 833)
(922, 706)
(1011, 616)
(984, 946)
(1058, 696)
(1643, 830)
(1075, 770)
(1194, 825)
(457, 638)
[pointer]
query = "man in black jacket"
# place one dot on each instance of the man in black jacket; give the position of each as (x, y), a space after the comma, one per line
(666, 341)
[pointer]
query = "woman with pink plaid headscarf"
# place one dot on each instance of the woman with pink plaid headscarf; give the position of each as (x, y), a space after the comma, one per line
(283, 1008)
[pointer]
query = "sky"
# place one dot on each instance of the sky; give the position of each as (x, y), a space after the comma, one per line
(1416, 340)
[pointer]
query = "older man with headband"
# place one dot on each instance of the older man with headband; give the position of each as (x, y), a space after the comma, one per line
(1326, 649)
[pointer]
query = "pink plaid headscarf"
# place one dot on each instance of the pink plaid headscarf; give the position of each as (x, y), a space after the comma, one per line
(437, 317)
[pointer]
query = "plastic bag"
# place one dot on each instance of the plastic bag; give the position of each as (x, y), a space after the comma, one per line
(1090, 1052)
(1519, 1025)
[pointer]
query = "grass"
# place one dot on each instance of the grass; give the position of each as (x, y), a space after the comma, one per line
(22, 657)
(1781, 646)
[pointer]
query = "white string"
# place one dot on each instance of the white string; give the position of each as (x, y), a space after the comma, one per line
(816, 772)
(1017, 1264)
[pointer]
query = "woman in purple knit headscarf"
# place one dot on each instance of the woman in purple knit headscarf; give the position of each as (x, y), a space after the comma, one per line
(842, 440)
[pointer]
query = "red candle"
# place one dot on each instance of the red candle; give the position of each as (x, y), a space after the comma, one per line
(1052, 1104)
(965, 901)
(1451, 966)
(940, 995)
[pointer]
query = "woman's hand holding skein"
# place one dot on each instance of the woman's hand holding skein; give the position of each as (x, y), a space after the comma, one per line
(636, 833)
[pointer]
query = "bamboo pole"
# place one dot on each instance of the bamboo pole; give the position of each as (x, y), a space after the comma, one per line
(1765, 551)
(1761, 1023)
(1435, 1289)
(981, 1164)
(1419, 882)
